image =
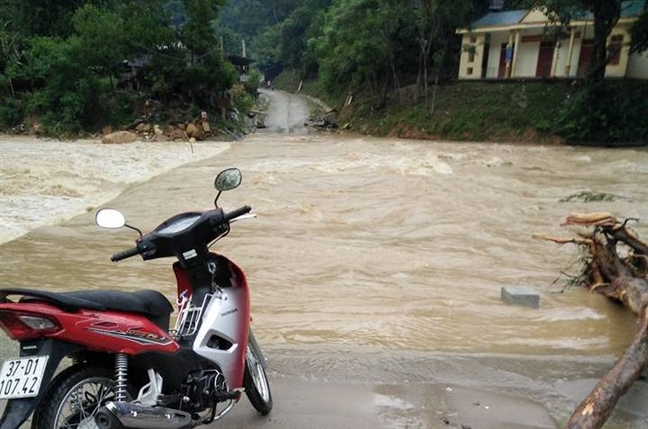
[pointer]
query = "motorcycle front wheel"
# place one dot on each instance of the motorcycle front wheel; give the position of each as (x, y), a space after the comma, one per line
(74, 397)
(256, 383)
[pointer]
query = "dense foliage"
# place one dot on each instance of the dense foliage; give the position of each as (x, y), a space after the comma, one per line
(78, 66)
(63, 61)
(531, 111)
(363, 42)
(612, 112)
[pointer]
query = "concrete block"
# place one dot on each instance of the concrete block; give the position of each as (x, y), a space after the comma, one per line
(521, 295)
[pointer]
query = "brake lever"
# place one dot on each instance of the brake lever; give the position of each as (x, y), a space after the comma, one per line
(244, 217)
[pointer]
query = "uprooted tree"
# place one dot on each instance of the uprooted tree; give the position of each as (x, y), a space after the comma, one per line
(617, 267)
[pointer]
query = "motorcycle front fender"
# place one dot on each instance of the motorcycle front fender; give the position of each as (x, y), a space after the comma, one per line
(18, 411)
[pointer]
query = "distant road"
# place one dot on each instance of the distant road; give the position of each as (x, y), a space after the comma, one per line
(287, 112)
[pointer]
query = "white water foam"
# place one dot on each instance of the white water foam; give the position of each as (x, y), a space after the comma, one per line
(47, 182)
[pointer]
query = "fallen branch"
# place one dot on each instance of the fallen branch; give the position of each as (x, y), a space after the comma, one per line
(562, 240)
(594, 411)
(622, 279)
(590, 219)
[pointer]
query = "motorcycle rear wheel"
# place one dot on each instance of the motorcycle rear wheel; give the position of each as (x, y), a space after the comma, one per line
(74, 397)
(256, 383)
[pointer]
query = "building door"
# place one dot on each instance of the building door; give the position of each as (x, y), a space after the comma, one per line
(486, 52)
(501, 71)
(545, 60)
(585, 57)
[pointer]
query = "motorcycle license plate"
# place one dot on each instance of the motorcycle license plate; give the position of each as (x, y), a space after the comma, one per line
(21, 378)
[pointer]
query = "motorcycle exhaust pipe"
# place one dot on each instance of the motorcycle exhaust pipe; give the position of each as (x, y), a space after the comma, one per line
(118, 415)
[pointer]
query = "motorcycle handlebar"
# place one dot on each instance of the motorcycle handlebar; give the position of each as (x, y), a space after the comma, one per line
(125, 254)
(136, 251)
(236, 213)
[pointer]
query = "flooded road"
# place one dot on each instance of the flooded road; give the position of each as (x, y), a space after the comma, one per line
(375, 264)
(375, 245)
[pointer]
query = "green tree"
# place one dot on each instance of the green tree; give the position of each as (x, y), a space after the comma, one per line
(48, 18)
(296, 30)
(10, 47)
(197, 33)
(605, 13)
(639, 33)
(246, 18)
(313, 37)
(360, 45)
(145, 26)
(67, 98)
(267, 49)
(250, 18)
(98, 42)
(251, 21)
(10, 53)
(436, 21)
(596, 114)
(208, 73)
(64, 59)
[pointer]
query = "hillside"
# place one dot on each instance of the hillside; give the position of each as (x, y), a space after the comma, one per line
(499, 111)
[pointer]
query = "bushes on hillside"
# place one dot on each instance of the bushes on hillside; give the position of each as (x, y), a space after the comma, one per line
(610, 112)
(510, 111)
(110, 57)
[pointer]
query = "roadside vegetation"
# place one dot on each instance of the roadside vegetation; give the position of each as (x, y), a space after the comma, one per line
(71, 68)
(499, 111)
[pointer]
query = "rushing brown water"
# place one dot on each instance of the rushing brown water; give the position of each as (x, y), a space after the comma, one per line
(372, 244)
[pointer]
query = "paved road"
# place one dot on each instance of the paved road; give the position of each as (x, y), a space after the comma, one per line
(287, 113)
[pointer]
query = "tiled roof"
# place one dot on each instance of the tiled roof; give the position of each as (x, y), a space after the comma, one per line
(499, 19)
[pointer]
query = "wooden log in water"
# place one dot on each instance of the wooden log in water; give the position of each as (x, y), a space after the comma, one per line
(622, 279)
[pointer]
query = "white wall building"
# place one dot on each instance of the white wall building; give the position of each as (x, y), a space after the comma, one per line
(517, 44)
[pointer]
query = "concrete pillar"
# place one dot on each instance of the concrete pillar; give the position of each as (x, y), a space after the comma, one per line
(518, 37)
(570, 54)
(507, 73)
(554, 62)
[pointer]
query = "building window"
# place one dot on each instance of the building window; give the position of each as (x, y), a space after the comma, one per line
(470, 49)
(614, 49)
(473, 47)
(469, 72)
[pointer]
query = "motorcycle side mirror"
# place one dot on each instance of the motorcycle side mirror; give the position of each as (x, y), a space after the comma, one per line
(226, 180)
(110, 218)
(113, 219)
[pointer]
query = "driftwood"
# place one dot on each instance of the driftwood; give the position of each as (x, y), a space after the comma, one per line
(327, 121)
(620, 278)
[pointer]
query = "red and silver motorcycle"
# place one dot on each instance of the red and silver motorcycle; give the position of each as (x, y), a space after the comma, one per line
(129, 370)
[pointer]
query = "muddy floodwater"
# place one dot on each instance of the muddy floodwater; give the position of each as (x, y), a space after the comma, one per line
(360, 243)
(375, 265)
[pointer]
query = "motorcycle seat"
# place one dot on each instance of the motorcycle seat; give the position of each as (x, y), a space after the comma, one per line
(147, 302)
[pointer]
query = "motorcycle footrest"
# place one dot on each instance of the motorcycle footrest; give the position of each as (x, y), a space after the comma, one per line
(232, 395)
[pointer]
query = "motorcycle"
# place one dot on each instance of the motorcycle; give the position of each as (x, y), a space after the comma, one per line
(128, 369)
